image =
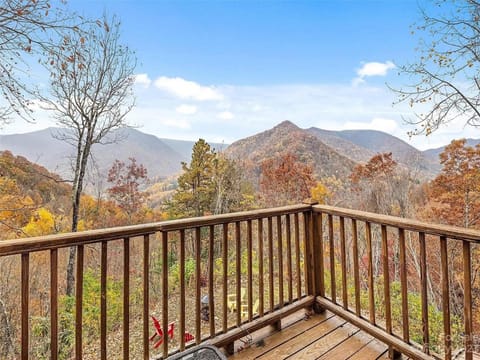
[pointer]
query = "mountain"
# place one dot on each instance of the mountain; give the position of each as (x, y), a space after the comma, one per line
(434, 154)
(289, 138)
(44, 148)
(344, 147)
(361, 145)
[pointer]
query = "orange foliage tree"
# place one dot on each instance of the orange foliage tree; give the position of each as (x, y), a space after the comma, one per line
(284, 180)
(455, 193)
(371, 183)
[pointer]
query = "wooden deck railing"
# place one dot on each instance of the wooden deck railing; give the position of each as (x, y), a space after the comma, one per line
(274, 239)
(426, 263)
(281, 259)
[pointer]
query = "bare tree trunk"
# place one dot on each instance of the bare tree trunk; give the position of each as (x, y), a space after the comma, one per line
(80, 169)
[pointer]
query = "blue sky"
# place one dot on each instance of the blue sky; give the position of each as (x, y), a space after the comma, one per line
(223, 70)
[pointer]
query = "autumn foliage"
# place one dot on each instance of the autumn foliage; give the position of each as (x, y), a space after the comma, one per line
(285, 180)
(126, 180)
(455, 193)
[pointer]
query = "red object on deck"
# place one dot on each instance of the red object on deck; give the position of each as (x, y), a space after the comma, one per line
(189, 337)
(159, 332)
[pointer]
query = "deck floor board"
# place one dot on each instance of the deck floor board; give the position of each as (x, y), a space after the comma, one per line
(323, 337)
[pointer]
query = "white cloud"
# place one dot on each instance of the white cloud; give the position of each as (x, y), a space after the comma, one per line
(186, 89)
(186, 109)
(143, 79)
(375, 69)
(372, 69)
(225, 115)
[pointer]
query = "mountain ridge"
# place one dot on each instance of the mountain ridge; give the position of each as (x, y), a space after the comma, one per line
(330, 152)
(286, 137)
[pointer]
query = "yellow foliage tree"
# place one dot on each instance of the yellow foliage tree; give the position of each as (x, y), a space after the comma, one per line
(41, 223)
(320, 193)
(15, 207)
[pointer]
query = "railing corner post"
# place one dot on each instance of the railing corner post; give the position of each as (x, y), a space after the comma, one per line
(314, 257)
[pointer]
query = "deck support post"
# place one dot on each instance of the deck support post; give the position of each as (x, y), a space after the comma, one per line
(314, 251)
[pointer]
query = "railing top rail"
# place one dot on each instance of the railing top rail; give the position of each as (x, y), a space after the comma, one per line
(451, 232)
(18, 246)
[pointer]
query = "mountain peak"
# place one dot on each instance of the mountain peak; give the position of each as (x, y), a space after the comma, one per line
(286, 124)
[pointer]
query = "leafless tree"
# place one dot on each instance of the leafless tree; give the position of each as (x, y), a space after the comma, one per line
(28, 30)
(445, 78)
(91, 94)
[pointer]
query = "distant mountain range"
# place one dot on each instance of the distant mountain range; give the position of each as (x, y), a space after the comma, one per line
(161, 157)
(329, 152)
(361, 145)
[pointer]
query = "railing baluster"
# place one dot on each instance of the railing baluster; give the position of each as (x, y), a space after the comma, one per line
(467, 299)
(25, 302)
(371, 296)
(249, 269)
(225, 276)
(280, 261)
(423, 281)
(356, 275)
(103, 301)
(297, 256)
(261, 305)
(289, 258)
(198, 294)
(445, 298)
(165, 292)
(332, 259)
(126, 298)
(404, 285)
(238, 269)
(308, 255)
(79, 304)
(211, 303)
(386, 285)
(344, 262)
(319, 254)
(146, 295)
(54, 304)
(182, 289)
(270, 263)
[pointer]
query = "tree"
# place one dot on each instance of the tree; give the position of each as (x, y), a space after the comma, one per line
(455, 193)
(445, 74)
(126, 180)
(91, 85)
(372, 184)
(211, 183)
(284, 180)
(232, 192)
(41, 223)
(195, 191)
(27, 29)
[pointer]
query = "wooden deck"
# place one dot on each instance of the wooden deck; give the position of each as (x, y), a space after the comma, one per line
(323, 336)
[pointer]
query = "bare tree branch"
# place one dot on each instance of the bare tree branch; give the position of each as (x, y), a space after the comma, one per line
(445, 75)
